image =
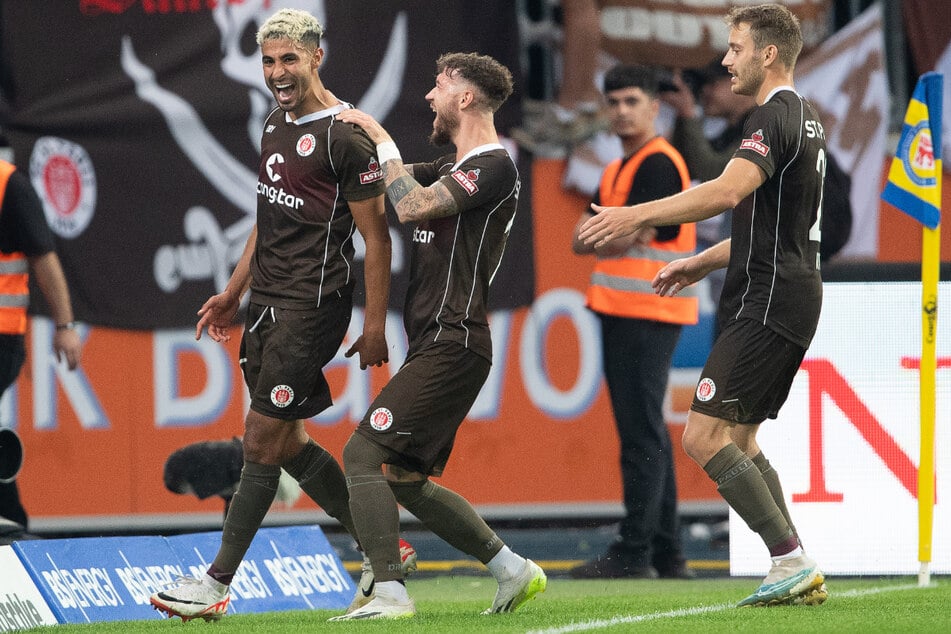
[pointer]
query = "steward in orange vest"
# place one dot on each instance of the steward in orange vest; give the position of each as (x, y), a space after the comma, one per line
(621, 286)
(27, 245)
(14, 277)
(639, 331)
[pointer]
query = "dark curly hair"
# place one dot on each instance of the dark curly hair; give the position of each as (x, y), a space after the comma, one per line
(492, 79)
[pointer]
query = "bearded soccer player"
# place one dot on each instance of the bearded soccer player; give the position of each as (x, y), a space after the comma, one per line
(463, 204)
(319, 180)
(772, 295)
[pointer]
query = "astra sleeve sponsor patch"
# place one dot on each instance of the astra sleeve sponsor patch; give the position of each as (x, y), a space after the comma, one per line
(467, 180)
(755, 143)
(374, 172)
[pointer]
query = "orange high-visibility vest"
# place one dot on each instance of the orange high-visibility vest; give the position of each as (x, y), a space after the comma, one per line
(14, 277)
(621, 286)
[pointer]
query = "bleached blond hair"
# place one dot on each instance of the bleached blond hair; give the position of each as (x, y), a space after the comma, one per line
(295, 25)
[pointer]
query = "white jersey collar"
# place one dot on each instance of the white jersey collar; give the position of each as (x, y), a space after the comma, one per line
(488, 147)
(777, 89)
(320, 114)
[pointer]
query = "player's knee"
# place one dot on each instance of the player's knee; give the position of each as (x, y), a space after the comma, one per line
(409, 492)
(362, 457)
(695, 441)
(259, 449)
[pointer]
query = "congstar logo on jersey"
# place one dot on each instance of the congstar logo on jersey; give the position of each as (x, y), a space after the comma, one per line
(424, 236)
(277, 195)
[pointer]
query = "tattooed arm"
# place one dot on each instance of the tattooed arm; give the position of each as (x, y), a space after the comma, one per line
(412, 201)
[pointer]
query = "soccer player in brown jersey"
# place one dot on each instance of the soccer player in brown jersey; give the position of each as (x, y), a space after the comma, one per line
(319, 181)
(769, 308)
(463, 205)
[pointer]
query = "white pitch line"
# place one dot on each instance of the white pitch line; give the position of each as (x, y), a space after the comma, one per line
(586, 626)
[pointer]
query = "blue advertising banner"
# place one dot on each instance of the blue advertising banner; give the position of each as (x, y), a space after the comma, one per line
(292, 568)
(100, 578)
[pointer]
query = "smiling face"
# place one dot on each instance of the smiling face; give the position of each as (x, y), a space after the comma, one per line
(444, 101)
(289, 72)
(744, 61)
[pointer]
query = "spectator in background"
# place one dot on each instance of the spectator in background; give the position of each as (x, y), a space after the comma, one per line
(551, 127)
(578, 96)
(27, 246)
(639, 330)
(705, 157)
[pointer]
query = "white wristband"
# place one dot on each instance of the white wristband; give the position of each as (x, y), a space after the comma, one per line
(387, 151)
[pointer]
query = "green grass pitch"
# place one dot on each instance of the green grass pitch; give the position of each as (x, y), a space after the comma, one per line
(452, 603)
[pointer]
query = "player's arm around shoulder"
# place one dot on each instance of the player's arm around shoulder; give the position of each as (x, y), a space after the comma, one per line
(412, 201)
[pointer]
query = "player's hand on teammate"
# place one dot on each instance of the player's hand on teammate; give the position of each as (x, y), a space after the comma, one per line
(370, 125)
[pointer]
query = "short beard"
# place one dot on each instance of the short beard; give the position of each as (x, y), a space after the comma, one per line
(440, 137)
(442, 134)
(751, 84)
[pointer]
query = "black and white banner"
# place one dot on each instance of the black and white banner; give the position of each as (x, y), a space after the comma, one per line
(139, 123)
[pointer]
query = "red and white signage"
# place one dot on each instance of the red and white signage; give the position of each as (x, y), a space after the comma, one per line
(846, 444)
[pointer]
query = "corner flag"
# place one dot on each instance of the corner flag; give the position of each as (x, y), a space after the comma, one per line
(914, 180)
(914, 186)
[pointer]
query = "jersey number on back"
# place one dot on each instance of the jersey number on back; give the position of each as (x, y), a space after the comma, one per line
(815, 233)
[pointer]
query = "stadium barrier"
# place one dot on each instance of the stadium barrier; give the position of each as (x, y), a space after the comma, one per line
(88, 580)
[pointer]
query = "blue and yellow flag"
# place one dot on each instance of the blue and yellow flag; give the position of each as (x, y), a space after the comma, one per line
(914, 180)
